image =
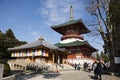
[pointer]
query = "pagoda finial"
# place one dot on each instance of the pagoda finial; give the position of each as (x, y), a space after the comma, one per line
(71, 13)
(41, 38)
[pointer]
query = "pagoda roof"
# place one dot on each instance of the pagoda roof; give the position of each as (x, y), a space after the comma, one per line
(40, 42)
(76, 43)
(74, 23)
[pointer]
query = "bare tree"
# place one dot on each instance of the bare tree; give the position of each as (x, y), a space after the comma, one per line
(100, 9)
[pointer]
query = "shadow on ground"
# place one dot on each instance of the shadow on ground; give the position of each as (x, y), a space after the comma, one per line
(118, 75)
(16, 72)
(30, 74)
(49, 75)
(92, 77)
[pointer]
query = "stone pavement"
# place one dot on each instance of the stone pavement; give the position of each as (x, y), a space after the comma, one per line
(63, 75)
(82, 75)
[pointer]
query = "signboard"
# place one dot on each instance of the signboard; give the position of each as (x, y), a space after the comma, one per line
(117, 60)
(1, 71)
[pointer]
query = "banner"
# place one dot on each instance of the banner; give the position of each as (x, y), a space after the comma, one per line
(36, 52)
(1, 71)
(12, 54)
(27, 53)
(39, 53)
(117, 60)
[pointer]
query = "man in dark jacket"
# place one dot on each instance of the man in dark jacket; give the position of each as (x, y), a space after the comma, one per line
(99, 70)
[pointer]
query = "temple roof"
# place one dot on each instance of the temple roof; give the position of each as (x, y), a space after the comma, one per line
(75, 23)
(76, 43)
(40, 42)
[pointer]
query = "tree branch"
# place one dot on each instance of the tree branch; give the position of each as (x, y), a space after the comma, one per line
(100, 30)
(99, 11)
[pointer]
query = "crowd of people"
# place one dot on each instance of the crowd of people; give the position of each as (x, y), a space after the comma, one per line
(97, 67)
(77, 66)
(100, 68)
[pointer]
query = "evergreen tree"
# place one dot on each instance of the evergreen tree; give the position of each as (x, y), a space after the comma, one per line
(104, 56)
(8, 40)
(98, 56)
(10, 34)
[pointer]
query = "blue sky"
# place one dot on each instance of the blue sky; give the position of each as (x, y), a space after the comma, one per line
(30, 19)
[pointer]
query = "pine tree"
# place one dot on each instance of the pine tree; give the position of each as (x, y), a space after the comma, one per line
(8, 40)
(98, 56)
(10, 34)
(103, 56)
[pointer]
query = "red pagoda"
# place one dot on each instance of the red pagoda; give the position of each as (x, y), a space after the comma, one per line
(79, 51)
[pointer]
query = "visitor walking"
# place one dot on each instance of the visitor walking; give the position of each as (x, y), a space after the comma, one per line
(89, 67)
(85, 66)
(78, 66)
(94, 67)
(75, 66)
(99, 71)
(57, 70)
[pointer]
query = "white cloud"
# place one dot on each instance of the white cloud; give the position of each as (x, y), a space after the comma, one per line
(58, 11)
(34, 33)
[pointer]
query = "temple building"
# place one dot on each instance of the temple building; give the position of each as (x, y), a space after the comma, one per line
(37, 51)
(79, 50)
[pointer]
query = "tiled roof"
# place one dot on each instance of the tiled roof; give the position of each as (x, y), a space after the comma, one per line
(76, 43)
(67, 23)
(73, 23)
(36, 44)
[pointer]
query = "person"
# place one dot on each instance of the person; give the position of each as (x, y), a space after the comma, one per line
(94, 67)
(75, 66)
(104, 68)
(89, 67)
(78, 66)
(85, 66)
(99, 70)
(57, 70)
(108, 66)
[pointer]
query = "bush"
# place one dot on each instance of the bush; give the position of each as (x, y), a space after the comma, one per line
(7, 70)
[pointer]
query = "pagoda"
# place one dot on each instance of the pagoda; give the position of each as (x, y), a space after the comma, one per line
(72, 40)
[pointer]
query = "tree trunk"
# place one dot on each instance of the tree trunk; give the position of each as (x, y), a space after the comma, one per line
(116, 39)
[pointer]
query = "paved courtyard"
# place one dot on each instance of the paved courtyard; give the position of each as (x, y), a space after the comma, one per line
(63, 75)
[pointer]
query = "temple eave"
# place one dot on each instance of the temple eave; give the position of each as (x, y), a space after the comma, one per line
(77, 45)
(71, 24)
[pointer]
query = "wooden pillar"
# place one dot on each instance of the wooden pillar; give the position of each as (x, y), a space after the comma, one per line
(58, 59)
(53, 57)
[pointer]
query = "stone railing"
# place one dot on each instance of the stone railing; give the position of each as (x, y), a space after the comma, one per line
(17, 64)
(22, 64)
